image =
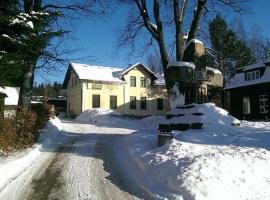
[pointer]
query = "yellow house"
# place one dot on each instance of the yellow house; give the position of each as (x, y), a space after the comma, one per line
(132, 91)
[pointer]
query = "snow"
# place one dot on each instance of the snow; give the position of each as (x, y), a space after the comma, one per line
(253, 66)
(196, 41)
(30, 24)
(219, 161)
(181, 64)
(239, 80)
(215, 71)
(154, 26)
(2, 90)
(121, 73)
(176, 98)
(96, 73)
(160, 80)
(15, 165)
(12, 95)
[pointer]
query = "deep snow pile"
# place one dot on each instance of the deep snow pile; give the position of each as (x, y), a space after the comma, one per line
(12, 166)
(220, 161)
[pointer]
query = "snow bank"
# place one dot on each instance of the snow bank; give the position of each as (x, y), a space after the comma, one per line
(11, 167)
(105, 117)
(220, 161)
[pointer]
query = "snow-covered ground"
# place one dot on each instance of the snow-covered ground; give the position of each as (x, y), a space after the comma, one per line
(219, 161)
(103, 155)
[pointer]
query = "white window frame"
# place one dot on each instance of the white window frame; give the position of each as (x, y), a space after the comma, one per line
(263, 102)
(246, 102)
(253, 75)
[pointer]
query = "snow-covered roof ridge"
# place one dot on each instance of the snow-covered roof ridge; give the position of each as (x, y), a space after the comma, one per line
(215, 71)
(180, 64)
(135, 65)
(96, 73)
(196, 41)
(239, 79)
(254, 66)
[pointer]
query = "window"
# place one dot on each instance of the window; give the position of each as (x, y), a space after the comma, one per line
(143, 81)
(113, 102)
(253, 75)
(143, 103)
(133, 81)
(246, 105)
(95, 101)
(263, 99)
(160, 103)
(132, 102)
(202, 95)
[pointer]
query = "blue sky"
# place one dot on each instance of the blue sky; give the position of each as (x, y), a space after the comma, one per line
(98, 38)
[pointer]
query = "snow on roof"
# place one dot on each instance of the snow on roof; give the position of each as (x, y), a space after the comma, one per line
(253, 66)
(135, 65)
(181, 64)
(12, 95)
(2, 90)
(215, 71)
(160, 80)
(239, 80)
(96, 73)
(196, 41)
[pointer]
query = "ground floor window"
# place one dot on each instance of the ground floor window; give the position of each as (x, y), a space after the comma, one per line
(96, 101)
(263, 99)
(132, 102)
(160, 103)
(113, 102)
(246, 105)
(143, 103)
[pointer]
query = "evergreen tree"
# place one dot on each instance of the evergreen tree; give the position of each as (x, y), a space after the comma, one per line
(10, 55)
(227, 51)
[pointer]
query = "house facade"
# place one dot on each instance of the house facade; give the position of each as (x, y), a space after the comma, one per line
(249, 92)
(133, 91)
(9, 97)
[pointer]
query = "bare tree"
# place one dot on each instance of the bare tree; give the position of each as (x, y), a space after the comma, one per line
(259, 45)
(153, 61)
(152, 22)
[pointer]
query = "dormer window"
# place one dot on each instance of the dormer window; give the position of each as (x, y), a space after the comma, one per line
(253, 75)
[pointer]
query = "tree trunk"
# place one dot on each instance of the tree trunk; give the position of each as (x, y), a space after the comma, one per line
(178, 19)
(196, 20)
(26, 87)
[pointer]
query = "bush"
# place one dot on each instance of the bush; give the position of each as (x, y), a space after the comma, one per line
(22, 130)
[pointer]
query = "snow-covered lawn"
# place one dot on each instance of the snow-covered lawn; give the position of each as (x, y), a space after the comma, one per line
(220, 161)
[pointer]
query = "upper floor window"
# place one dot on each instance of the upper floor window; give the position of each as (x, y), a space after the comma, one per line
(143, 81)
(133, 81)
(253, 75)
